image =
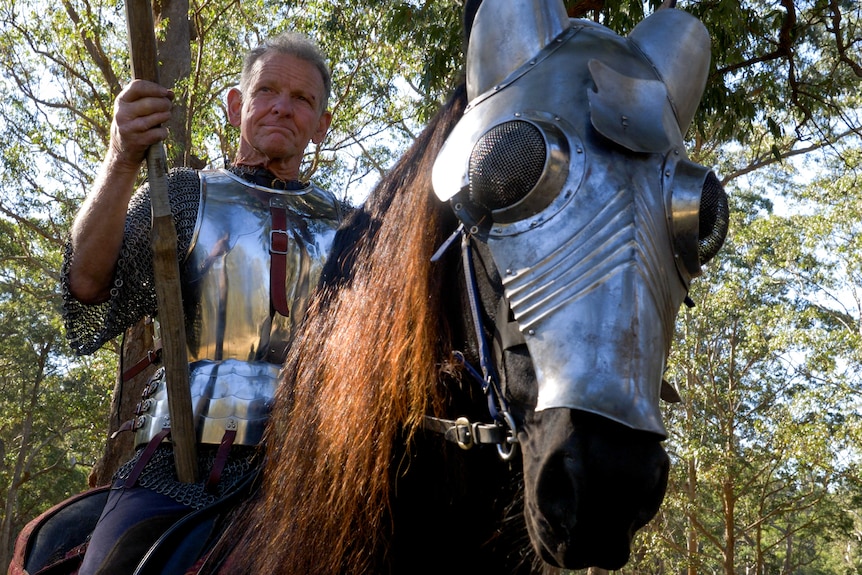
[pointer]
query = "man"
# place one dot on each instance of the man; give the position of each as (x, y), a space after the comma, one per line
(252, 240)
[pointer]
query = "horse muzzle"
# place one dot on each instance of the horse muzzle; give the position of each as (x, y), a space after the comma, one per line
(582, 507)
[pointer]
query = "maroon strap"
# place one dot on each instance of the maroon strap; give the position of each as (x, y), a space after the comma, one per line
(145, 456)
(221, 459)
(130, 425)
(278, 244)
(153, 356)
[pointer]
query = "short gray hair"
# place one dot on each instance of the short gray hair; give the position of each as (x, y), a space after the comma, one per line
(292, 44)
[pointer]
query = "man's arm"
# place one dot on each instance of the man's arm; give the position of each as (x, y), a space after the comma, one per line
(97, 232)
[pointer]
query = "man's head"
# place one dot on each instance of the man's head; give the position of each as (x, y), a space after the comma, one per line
(292, 44)
(280, 105)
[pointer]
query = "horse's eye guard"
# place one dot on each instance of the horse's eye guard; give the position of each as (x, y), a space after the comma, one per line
(520, 167)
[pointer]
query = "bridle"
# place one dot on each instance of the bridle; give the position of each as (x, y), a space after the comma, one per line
(503, 432)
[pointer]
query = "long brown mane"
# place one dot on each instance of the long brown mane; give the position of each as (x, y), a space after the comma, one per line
(363, 370)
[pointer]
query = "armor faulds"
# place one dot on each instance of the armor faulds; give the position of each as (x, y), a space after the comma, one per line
(569, 162)
(236, 337)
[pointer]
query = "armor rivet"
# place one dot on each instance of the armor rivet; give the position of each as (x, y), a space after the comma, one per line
(517, 114)
(580, 150)
(667, 173)
(474, 230)
(531, 332)
(498, 230)
(533, 62)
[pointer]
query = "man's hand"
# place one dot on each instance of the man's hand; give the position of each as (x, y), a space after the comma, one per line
(139, 112)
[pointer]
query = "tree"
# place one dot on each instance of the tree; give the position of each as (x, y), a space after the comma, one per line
(53, 413)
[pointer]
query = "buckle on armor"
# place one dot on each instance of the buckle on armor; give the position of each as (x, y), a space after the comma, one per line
(143, 406)
(278, 242)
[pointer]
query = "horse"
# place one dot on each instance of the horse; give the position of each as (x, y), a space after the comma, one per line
(446, 409)
(412, 432)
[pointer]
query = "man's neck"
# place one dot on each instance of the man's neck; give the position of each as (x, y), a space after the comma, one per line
(283, 168)
(263, 177)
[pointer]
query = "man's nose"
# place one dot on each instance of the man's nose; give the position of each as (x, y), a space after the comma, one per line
(283, 105)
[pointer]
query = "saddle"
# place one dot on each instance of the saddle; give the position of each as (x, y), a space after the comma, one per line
(54, 542)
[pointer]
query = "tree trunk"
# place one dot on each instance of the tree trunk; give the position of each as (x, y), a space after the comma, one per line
(691, 485)
(729, 535)
(691, 538)
(176, 64)
(137, 341)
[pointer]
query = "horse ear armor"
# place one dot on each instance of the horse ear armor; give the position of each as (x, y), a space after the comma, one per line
(699, 215)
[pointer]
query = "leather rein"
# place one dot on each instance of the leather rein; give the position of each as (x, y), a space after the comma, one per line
(503, 432)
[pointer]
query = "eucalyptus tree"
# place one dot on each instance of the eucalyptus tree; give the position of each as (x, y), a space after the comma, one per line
(52, 419)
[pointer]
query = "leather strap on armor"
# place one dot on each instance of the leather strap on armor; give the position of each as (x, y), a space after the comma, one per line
(221, 459)
(145, 456)
(278, 264)
(153, 356)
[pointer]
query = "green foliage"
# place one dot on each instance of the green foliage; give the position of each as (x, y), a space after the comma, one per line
(53, 417)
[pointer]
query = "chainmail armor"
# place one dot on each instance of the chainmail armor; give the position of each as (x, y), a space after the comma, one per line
(160, 475)
(133, 295)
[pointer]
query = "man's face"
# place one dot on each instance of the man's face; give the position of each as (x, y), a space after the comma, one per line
(280, 113)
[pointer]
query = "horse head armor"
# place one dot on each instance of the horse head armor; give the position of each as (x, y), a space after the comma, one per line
(570, 164)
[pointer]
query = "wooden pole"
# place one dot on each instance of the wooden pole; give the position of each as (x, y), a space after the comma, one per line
(144, 58)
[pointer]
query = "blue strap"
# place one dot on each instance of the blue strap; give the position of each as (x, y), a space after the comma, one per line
(489, 378)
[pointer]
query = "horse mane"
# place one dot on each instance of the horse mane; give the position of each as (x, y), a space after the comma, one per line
(364, 368)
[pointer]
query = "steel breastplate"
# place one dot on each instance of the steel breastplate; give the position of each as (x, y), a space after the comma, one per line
(236, 342)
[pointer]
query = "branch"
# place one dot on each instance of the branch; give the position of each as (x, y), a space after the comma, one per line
(840, 45)
(94, 49)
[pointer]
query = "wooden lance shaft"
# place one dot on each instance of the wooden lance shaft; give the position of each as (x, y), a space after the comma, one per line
(144, 58)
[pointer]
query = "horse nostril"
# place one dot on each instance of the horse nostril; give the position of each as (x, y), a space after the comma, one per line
(558, 486)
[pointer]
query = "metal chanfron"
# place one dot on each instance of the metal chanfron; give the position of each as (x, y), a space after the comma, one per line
(591, 247)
